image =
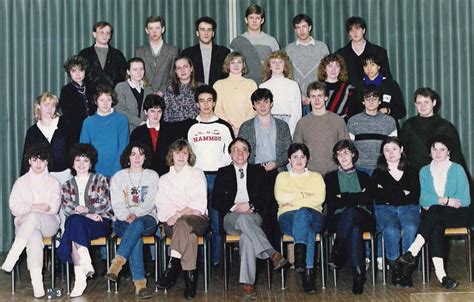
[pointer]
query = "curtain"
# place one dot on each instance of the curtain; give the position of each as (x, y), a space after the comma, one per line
(429, 43)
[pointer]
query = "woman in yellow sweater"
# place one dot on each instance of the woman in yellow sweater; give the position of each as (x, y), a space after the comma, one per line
(300, 194)
(233, 93)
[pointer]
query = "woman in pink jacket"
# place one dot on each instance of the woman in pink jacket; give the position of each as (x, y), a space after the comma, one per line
(34, 201)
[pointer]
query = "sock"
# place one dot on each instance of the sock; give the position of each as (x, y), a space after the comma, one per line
(270, 252)
(416, 246)
(438, 263)
(175, 254)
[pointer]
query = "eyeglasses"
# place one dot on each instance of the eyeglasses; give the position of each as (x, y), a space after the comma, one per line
(371, 99)
(241, 171)
(343, 153)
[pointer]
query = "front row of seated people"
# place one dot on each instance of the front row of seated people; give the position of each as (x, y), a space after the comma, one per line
(140, 200)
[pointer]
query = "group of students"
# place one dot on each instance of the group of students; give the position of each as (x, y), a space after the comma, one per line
(194, 145)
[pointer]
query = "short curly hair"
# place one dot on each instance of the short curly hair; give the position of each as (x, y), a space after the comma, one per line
(75, 61)
(144, 149)
(83, 150)
(343, 73)
(41, 151)
(104, 89)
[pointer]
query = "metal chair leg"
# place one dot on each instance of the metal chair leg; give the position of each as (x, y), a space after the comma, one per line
(226, 281)
(469, 255)
(13, 280)
(53, 249)
(115, 253)
(384, 269)
(205, 264)
(269, 276)
(322, 262)
(107, 260)
(156, 261)
(282, 271)
(68, 280)
(372, 246)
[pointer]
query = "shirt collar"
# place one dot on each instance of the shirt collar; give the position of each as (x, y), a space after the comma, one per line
(311, 42)
(138, 87)
(149, 126)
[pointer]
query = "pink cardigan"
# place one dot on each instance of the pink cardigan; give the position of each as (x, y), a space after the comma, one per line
(32, 189)
(177, 191)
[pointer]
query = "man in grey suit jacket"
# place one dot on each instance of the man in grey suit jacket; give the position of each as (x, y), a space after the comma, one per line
(158, 56)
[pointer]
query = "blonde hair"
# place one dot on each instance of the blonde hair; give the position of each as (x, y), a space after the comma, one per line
(177, 146)
(229, 58)
(43, 98)
(278, 54)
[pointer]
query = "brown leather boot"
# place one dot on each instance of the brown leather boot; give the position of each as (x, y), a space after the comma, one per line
(115, 268)
(249, 292)
(278, 261)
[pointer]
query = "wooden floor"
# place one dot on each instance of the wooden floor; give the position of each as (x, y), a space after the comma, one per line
(432, 292)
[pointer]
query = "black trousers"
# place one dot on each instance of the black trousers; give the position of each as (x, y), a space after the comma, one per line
(435, 220)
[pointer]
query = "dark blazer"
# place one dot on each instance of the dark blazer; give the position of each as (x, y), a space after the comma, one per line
(114, 69)
(59, 146)
(354, 63)
(218, 55)
(225, 188)
(159, 76)
(74, 110)
(142, 134)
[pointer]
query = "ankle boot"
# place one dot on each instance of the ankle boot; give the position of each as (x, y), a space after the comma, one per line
(36, 276)
(141, 291)
(170, 276)
(308, 280)
(80, 283)
(358, 280)
(338, 254)
(190, 284)
(13, 255)
(115, 268)
(300, 257)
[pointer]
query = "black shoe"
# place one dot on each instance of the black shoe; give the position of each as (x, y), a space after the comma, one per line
(358, 280)
(190, 283)
(300, 257)
(449, 283)
(308, 280)
(396, 271)
(406, 259)
(338, 254)
(170, 276)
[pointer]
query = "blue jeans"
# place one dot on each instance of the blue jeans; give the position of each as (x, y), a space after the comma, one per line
(351, 224)
(303, 225)
(396, 222)
(216, 238)
(131, 247)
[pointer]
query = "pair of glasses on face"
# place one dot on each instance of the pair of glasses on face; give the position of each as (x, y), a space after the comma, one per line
(371, 99)
(343, 153)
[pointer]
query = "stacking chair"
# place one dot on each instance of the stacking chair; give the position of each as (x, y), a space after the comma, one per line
(102, 241)
(464, 232)
(230, 239)
(48, 242)
(202, 240)
(286, 239)
(147, 240)
(365, 236)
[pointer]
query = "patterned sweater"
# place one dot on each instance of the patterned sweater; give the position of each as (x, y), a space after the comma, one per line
(97, 196)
